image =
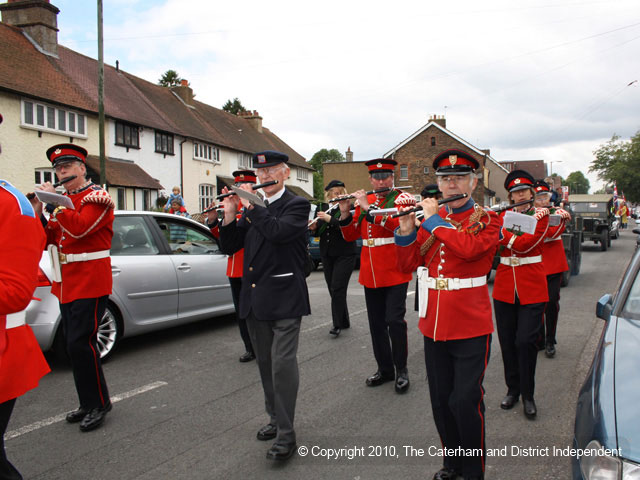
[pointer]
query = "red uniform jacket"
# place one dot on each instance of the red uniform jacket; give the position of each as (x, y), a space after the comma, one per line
(464, 249)
(88, 228)
(377, 263)
(235, 261)
(528, 282)
(22, 364)
(553, 255)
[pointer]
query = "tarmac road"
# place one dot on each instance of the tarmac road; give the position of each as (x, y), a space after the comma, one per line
(185, 408)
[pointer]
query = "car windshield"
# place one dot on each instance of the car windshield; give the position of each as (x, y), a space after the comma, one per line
(631, 307)
(586, 207)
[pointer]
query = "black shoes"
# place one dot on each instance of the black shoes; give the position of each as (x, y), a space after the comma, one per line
(550, 350)
(509, 401)
(530, 410)
(94, 418)
(76, 415)
(281, 452)
(247, 357)
(445, 474)
(268, 432)
(402, 381)
(379, 378)
(335, 331)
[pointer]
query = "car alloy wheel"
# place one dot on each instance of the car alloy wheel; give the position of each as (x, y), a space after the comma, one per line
(109, 331)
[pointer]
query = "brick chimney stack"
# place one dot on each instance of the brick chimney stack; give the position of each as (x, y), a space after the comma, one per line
(184, 91)
(349, 155)
(37, 18)
(439, 119)
(254, 119)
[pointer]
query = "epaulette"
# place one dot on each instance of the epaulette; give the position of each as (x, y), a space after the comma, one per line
(99, 196)
(24, 205)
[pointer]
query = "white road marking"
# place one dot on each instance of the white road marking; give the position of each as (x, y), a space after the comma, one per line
(59, 418)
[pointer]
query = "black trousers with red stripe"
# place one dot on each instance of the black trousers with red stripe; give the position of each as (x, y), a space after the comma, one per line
(80, 320)
(236, 286)
(552, 308)
(455, 371)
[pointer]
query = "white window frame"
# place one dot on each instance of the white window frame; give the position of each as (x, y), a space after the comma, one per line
(404, 172)
(40, 172)
(244, 160)
(54, 119)
(206, 195)
(206, 152)
(302, 174)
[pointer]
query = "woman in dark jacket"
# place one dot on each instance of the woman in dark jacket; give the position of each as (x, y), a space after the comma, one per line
(338, 257)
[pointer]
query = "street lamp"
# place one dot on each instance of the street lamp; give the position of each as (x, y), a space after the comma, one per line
(551, 166)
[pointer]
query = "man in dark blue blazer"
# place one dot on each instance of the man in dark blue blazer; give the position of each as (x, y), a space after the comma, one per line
(274, 294)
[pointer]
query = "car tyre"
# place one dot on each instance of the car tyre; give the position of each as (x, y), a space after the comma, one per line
(566, 276)
(604, 236)
(109, 331)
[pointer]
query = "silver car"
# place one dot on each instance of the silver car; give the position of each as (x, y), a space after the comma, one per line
(167, 270)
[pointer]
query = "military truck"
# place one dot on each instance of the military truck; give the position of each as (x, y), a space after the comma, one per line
(598, 216)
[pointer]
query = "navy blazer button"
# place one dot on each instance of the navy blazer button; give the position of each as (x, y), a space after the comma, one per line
(253, 285)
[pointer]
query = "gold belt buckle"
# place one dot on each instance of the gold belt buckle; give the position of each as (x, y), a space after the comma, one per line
(62, 257)
(371, 242)
(515, 262)
(442, 284)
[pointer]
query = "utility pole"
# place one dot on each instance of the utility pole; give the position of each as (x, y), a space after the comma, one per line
(103, 173)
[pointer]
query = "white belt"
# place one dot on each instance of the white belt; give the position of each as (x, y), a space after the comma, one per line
(517, 261)
(425, 282)
(16, 319)
(455, 283)
(547, 240)
(83, 257)
(376, 242)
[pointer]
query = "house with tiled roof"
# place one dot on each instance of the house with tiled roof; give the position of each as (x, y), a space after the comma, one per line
(156, 137)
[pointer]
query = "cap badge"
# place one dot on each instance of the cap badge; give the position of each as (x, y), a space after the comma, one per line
(379, 165)
(57, 151)
(517, 181)
(241, 177)
(453, 159)
(262, 159)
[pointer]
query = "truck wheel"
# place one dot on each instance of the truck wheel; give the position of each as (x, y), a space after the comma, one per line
(604, 237)
(575, 267)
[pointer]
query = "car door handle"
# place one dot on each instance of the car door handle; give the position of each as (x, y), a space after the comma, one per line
(115, 270)
(184, 267)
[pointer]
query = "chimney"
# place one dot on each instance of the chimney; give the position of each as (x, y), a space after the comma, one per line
(184, 91)
(439, 119)
(254, 119)
(37, 18)
(349, 155)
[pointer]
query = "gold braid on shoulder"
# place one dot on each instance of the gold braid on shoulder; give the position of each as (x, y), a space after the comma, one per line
(475, 226)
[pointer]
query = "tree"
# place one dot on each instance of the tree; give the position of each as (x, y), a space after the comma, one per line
(170, 78)
(577, 183)
(320, 157)
(618, 163)
(234, 106)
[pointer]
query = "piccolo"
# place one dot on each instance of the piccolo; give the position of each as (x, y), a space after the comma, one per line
(442, 201)
(215, 207)
(519, 204)
(55, 185)
(327, 211)
(380, 190)
(254, 187)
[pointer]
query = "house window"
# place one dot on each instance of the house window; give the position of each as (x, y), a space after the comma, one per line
(44, 175)
(49, 118)
(164, 143)
(207, 195)
(127, 135)
(404, 172)
(303, 174)
(146, 199)
(122, 199)
(433, 141)
(202, 151)
(244, 160)
(426, 170)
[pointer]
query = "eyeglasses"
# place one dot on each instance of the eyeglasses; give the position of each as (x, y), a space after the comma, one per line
(261, 172)
(453, 178)
(381, 175)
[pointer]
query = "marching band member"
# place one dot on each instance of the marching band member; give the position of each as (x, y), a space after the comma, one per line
(234, 264)
(82, 236)
(22, 364)
(385, 288)
(453, 251)
(554, 260)
(520, 295)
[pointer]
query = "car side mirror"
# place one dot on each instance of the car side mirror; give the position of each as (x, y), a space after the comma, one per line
(603, 307)
(636, 231)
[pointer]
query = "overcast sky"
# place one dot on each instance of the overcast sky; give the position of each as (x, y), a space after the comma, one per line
(530, 80)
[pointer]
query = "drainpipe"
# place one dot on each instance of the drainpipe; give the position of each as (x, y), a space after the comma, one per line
(181, 168)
